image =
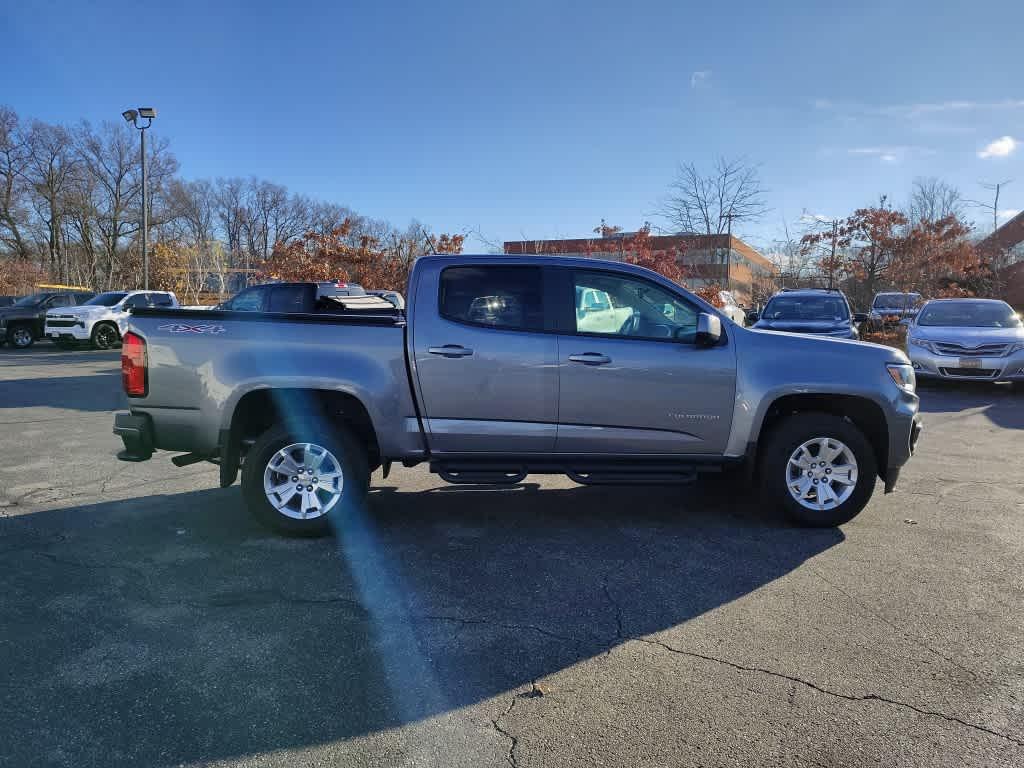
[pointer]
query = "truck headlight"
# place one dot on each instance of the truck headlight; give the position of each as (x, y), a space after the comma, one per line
(903, 376)
(1018, 347)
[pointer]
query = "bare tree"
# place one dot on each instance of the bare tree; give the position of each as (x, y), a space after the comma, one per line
(51, 168)
(14, 160)
(716, 203)
(932, 199)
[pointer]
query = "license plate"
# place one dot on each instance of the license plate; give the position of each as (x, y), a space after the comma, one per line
(54, 334)
(967, 362)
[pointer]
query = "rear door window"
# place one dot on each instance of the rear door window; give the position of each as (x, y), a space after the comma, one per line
(499, 297)
(287, 298)
(249, 300)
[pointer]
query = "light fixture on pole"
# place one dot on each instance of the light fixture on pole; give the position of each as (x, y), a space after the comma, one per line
(133, 116)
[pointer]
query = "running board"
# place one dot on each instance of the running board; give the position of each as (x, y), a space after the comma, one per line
(632, 477)
(486, 471)
(495, 476)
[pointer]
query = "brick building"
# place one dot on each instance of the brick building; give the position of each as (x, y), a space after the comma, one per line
(1006, 247)
(724, 260)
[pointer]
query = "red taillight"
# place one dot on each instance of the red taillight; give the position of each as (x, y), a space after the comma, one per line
(133, 365)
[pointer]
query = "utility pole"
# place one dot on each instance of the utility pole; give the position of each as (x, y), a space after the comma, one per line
(832, 263)
(997, 188)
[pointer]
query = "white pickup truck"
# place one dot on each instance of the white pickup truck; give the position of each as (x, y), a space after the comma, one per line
(102, 320)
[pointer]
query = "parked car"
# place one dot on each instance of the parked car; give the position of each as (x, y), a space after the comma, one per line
(967, 339)
(488, 391)
(300, 297)
(23, 322)
(101, 321)
(809, 310)
(731, 309)
(890, 308)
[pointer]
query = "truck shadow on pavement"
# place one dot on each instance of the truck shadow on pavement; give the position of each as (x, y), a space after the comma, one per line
(1003, 405)
(172, 629)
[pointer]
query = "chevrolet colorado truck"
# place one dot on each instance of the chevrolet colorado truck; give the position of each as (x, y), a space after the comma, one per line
(505, 366)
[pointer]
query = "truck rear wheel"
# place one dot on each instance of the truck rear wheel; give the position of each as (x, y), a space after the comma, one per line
(298, 484)
(819, 468)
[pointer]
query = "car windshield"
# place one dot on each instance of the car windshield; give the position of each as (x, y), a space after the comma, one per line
(813, 308)
(896, 300)
(30, 301)
(970, 314)
(106, 299)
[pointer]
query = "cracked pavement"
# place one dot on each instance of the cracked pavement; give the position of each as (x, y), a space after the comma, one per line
(146, 620)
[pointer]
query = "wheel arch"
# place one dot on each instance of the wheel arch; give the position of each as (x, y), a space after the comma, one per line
(862, 412)
(299, 409)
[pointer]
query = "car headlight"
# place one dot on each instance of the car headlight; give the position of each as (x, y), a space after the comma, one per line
(1018, 347)
(903, 376)
(922, 344)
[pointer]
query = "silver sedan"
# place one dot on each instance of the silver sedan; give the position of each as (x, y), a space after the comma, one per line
(967, 339)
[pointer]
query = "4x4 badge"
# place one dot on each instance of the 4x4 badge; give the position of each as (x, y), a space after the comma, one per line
(189, 328)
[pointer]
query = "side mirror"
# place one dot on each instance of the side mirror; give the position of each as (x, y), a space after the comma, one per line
(860, 317)
(709, 330)
(906, 322)
(753, 316)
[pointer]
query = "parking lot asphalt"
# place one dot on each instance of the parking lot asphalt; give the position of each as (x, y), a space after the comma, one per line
(145, 619)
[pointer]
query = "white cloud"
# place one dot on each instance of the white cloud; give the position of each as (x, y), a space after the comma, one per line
(918, 109)
(1008, 213)
(1001, 147)
(699, 79)
(890, 154)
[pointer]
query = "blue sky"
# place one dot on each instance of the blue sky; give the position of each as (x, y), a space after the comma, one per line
(538, 119)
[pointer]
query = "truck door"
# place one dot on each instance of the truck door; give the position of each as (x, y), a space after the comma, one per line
(485, 363)
(632, 381)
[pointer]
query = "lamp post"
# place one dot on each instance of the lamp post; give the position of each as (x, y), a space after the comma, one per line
(132, 116)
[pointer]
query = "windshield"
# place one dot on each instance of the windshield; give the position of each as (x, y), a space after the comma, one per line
(810, 308)
(30, 301)
(970, 314)
(896, 300)
(106, 299)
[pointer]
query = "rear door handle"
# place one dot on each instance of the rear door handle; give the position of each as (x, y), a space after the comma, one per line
(450, 350)
(590, 358)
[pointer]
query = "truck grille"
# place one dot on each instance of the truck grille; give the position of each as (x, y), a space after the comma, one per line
(972, 373)
(61, 323)
(984, 350)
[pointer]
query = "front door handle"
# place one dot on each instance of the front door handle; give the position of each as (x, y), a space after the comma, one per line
(590, 358)
(450, 350)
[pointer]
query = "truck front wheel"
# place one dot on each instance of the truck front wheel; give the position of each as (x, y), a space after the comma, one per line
(819, 468)
(20, 336)
(299, 483)
(104, 336)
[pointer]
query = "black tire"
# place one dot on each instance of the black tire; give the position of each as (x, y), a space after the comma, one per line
(351, 456)
(790, 434)
(104, 336)
(20, 336)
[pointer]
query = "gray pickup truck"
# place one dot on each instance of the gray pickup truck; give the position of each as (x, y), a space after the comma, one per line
(505, 366)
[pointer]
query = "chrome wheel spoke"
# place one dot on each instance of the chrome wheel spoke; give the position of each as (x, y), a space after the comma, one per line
(821, 473)
(289, 483)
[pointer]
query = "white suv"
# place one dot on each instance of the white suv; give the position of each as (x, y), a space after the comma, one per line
(103, 318)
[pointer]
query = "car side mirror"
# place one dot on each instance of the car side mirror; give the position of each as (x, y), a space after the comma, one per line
(709, 330)
(860, 317)
(753, 316)
(906, 322)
